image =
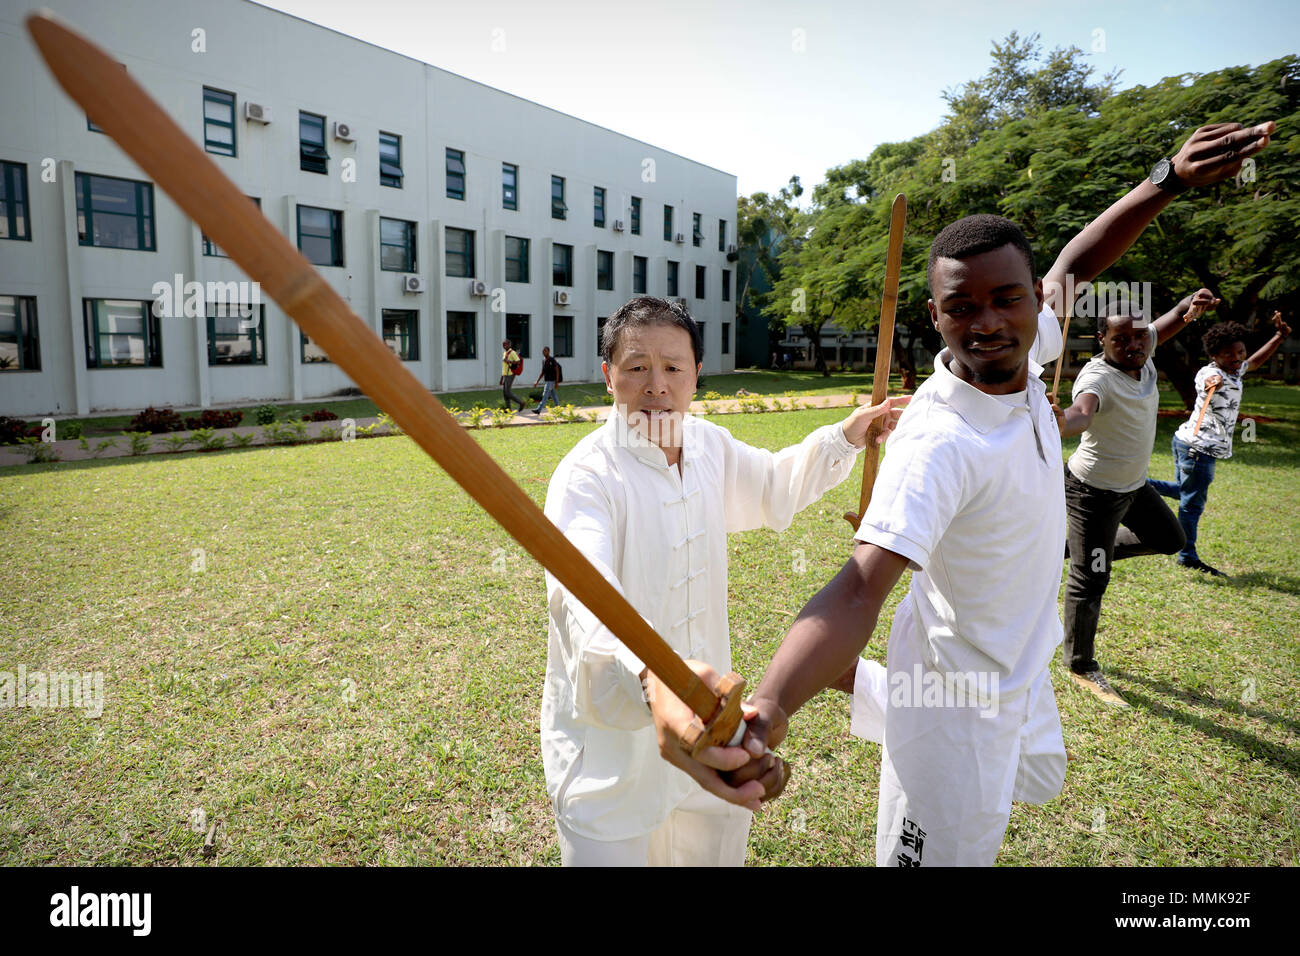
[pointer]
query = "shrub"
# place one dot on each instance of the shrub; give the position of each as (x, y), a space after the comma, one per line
(140, 442)
(265, 414)
(156, 421)
(320, 415)
(387, 421)
(242, 440)
(68, 430)
(100, 447)
(208, 440)
(286, 432)
(14, 430)
(711, 396)
(211, 418)
(501, 417)
(175, 443)
(38, 452)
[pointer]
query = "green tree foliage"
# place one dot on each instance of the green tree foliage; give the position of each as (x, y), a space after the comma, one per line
(1035, 140)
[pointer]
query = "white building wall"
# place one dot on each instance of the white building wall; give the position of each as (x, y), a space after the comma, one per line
(267, 57)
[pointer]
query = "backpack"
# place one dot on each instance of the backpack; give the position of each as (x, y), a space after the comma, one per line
(559, 372)
(517, 367)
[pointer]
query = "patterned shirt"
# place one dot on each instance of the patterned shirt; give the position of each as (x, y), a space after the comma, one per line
(1215, 437)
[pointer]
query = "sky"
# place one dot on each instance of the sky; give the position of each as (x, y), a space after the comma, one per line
(766, 89)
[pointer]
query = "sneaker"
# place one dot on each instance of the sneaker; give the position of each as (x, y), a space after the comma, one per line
(1097, 684)
(1196, 564)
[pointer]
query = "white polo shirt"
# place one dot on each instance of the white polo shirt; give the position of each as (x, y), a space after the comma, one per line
(659, 536)
(971, 492)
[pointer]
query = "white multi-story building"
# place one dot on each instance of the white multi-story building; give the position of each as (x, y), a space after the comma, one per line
(449, 214)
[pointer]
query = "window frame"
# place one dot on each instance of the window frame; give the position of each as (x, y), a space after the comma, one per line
(522, 338)
(13, 178)
(671, 283)
(636, 215)
(86, 214)
(726, 338)
(27, 342)
(313, 157)
(558, 205)
(453, 174)
(466, 254)
(152, 335)
(509, 201)
(257, 339)
(471, 336)
(556, 321)
(722, 235)
(410, 335)
(408, 245)
(607, 257)
(726, 285)
(523, 259)
(390, 169)
(639, 287)
(598, 207)
(701, 282)
(213, 95)
(568, 266)
(697, 228)
(668, 223)
(336, 235)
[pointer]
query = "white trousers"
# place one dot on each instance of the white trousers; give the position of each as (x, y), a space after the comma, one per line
(948, 774)
(704, 830)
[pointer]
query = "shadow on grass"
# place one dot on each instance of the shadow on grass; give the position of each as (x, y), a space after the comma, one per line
(1281, 757)
(1265, 579)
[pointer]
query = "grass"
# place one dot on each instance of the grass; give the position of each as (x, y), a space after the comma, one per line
(354, 676)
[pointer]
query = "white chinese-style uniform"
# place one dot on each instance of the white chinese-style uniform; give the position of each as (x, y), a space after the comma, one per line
(658, 535)
(971, 492)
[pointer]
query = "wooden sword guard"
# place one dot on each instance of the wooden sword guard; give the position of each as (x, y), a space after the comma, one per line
(722, 727)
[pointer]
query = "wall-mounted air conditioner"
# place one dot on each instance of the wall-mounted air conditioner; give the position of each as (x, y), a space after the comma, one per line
(412, 284)
(257, 112)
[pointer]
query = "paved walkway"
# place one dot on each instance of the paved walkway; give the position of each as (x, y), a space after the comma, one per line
(70, 449)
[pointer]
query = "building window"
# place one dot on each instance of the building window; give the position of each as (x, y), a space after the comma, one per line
(726, 338)
(703, 341)
(672, 278)
(219, 122)
(604, 270)
(726, 285)
(562, 326)
(121, 332)
(396, 245)
(309, 352)
(20, 347)
(401, 333)
(210, 248)
(460, 253)
(638, 275)
(558, 208)
(598, 207)
(390, 160)
(320, 235)
(455, 174)
(668, 223)
(722, 235)
(509, 186)
(696, 234)
(460, 335)
(636, 215)
(13, 202)
(518, 334)
(231, 338)
(517, 256)
(699, 282)
(114, 213)
(312, 157)
(561, 264)
(600, 331)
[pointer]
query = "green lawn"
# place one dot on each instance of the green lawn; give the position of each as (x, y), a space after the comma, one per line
(355, 677)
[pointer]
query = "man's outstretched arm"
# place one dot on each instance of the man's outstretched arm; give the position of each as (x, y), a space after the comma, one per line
(830, 632)
(1211, 154)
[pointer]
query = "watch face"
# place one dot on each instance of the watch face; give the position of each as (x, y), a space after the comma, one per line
(1160, 172)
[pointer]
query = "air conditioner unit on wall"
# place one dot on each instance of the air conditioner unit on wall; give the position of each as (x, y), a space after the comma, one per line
(343, 133)
(680, 238)
(257, 112)
(561, 297)
(412, 284)
(618, 225)
(477, 287)
(731, 250)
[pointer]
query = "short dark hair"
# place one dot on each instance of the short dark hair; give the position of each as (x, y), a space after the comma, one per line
(649, 310)
(973, 235)
(1103, 321)
(1222, 335)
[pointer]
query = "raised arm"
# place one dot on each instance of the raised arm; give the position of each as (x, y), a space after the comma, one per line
(1268, 348)
(1188, 310)
(1211, 154)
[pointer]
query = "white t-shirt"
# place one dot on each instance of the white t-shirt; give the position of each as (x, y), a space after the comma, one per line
(1215, 436)
(1115, 450)
(971, 492)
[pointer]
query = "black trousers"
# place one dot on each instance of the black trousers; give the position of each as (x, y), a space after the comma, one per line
(1095, 541)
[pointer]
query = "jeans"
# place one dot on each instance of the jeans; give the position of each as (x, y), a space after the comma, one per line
(548, 395)
(1096, 540)
(1193, 472)
(508, 395)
